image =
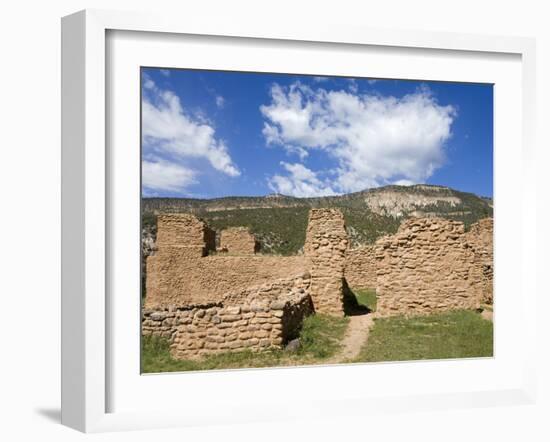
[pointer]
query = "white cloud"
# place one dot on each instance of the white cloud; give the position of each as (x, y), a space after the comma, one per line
(404, 182)
(148, 83)
(353, 87)
(373, 140)
(300, 182)
(169, 130)
(220, 101)
(165, 72)
(165, 175)
(320, 79)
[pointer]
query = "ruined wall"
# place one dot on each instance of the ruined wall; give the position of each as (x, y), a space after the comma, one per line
(185, 232)
(426, 267)
(238, 240)
(181, 273)
(174, 279)
(480, 238)
(360, 267)
(256, 318)
(325, 247)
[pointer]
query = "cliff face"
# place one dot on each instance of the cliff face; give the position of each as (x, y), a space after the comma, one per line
(398, 204)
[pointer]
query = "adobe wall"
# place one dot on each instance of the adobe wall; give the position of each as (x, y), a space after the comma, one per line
(426, 267)
(360, 267)
(186, 232)
(238, 241)
(181, 273)
(480, 238)
(257, 318)
(325, 248)
(175, 279)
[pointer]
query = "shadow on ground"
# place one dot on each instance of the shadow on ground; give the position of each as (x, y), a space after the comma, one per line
(51, 414)
(351, 306)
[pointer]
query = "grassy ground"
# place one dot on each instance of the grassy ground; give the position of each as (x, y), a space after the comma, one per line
(366, 298)
(320, 339)
(458, 334)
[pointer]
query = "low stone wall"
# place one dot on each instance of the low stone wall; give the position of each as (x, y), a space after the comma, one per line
(256, 318)
(325, 248)
(427, 267)
(360, 267)
(480, 238)
(239, 241)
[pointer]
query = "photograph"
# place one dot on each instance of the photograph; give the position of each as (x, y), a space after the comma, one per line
(300, 220)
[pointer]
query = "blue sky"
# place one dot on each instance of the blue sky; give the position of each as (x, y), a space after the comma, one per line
(209, 134)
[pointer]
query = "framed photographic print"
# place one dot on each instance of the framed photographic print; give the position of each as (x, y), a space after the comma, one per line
(268, 217)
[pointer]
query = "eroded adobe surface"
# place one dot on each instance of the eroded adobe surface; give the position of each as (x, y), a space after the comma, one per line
(185, 232)
(238, 241)
(480, 238)
(255, 318)
(325, 247)
(206, 304)
(181, 273)
(360, 267)
(428, 266)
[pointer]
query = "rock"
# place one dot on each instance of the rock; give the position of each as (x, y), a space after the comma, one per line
(294, 345)
(158, 316)
(278, 305)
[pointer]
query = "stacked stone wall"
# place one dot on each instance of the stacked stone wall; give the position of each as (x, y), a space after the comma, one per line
(360, 267)
(325, 248)
(480, 238)
(238, 240)
(256, 318)
(186, 232)
(206, 304)
(427, 267)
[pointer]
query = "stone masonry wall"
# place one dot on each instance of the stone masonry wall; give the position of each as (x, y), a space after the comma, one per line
(360, 267)
(426, 267)
(181, 273)
(173, 278)
(256, 318)
(238, 240)
(325, 247)
(480, 238)
(186, 232)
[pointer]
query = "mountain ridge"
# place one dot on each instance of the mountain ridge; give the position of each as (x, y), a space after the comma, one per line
(392, 200)
(279, 221)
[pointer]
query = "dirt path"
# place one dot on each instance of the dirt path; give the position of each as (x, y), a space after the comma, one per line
(356, 335)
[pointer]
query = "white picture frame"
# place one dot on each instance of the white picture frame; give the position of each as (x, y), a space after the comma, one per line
(87, 213)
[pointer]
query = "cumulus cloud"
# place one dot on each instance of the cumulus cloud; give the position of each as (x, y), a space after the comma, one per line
(168, 130)
(164, 175)
(299, 181)
(372, 139)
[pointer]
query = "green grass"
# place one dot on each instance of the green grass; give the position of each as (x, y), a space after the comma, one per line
(366, 298)
(458, 334)
(320, 338)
